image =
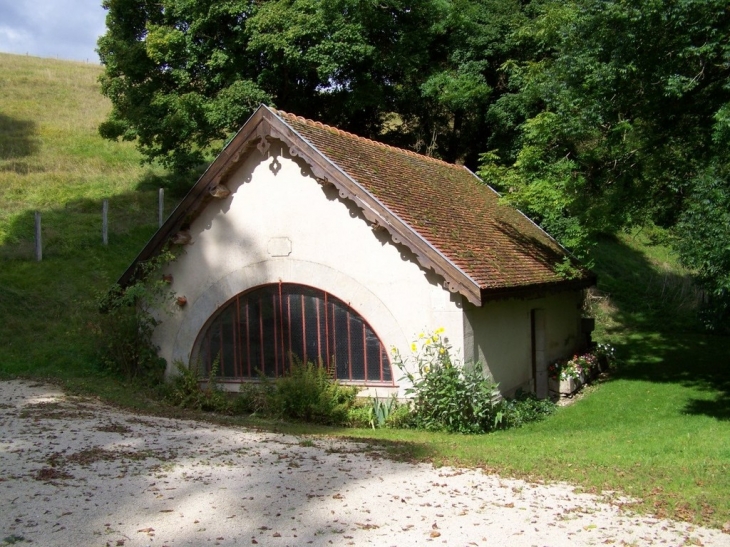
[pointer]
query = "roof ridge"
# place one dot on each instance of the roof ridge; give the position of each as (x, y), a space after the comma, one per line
(363, 139)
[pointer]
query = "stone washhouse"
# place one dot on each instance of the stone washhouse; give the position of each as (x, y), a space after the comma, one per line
(304, 240)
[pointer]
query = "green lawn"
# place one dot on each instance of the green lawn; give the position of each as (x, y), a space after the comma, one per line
(657, 430)
(52, 160)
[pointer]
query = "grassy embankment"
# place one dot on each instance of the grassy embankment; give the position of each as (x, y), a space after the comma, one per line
(658, 430)
(53, 161)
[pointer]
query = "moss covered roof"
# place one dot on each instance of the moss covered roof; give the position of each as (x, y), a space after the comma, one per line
(449, 207)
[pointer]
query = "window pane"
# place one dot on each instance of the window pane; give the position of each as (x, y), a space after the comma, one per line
(261, 329)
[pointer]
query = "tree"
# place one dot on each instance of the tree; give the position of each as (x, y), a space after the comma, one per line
(618, 115)
(183, 76)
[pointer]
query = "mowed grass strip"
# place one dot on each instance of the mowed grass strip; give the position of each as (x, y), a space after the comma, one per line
(658, 431)
(664, 443)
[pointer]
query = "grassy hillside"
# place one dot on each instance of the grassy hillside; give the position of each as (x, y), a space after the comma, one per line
(53, 161)
(659, 429)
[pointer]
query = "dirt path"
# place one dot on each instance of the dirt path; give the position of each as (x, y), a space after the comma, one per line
(77, 473)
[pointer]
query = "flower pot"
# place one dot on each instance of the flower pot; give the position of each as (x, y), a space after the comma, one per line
(564, 387)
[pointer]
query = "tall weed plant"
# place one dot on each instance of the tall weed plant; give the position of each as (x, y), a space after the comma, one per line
(186, 391)
(447, 394)
(308, 393)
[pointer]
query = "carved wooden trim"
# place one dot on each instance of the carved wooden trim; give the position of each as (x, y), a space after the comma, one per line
(263, 126)
(219, 191)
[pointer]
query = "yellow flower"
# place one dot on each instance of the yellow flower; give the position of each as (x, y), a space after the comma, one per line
(435, 338)
(439, 330)
(442, 350)
(393, 349)
(420, 335)
(413, 346)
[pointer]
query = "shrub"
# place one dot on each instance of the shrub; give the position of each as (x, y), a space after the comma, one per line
(523, 409)
(124, 344)
(575, 367)
(447, 395)
(186, 392)
(400, 418)
(309, 394)
(606, 355)
(359, 416)
(254, 398)
(376, 413)
(124, 332)
(587, 365)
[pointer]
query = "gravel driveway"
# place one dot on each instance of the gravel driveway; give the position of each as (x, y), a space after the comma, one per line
(74, 472)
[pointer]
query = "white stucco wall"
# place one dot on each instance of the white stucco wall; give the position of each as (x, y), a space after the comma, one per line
(274, 199)
(499, 335)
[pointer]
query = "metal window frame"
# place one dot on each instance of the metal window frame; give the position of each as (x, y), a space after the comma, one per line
(284, 322)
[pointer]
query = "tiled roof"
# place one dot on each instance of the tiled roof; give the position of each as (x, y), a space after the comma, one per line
(451, 220)
(448, 207)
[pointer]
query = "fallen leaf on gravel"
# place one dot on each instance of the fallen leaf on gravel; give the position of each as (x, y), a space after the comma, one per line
(277, 535)
(435, 534)
(146, 530)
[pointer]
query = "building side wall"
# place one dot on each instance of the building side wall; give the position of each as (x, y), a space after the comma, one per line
(499, 335)
(280, 224)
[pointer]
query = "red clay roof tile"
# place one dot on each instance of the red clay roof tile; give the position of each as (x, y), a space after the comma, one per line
(448, 206)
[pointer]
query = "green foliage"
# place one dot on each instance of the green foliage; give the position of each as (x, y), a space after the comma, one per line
(127, 322)
(388, 413)
(183, 76)
(704, 244)
(567, 269)
(308, 393)
(380, 410)
(596, 116)
(614, 110)
(359, 415)
(523, 409)
(254, 398)
(447, 396)
(400, 417)
(380, 413)
(185, 390)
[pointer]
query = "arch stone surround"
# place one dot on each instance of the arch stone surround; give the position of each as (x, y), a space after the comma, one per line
(337, 283)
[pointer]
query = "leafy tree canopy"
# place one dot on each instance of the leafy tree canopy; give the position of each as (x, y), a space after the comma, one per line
(590, 115)
(619, 115)
(185, 74)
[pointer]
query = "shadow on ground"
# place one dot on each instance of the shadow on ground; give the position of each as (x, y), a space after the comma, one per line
(658, 336)
(18, 138)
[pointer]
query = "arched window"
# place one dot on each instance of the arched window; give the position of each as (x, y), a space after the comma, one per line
(262, 330)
